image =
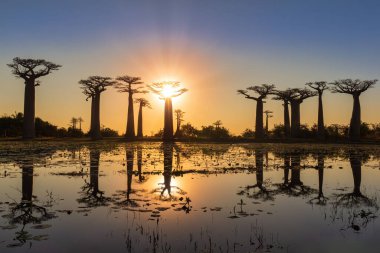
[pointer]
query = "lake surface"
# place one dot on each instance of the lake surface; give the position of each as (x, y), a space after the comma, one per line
(154, 197)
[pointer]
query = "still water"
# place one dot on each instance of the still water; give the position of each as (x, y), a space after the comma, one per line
(154, 197)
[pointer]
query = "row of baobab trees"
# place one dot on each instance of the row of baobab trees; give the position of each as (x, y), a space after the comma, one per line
(32, 69)
(295, 98)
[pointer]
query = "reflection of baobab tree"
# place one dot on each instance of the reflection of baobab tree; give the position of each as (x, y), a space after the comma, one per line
(165, 191)
(27, 211)
(358, 209)
(356, 197)
(262, 192)
(167, 91)
(141, 177)
(294, 186)
(320, 199)
(91, 195)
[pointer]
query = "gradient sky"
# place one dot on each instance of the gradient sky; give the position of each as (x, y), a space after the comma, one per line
(213, 47)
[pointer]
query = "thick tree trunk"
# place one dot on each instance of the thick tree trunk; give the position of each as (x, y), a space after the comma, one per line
(356, 166)
(130, 131)
(92, 122)
(27, 182)
(95, 134)
(286, 119)
(266, 124)
(140, 123)
(321, 123)
(29, 111)
(94, 171)
(296, 119)
(355, 120)
(259, 128)
(286, 168)
(168, 120)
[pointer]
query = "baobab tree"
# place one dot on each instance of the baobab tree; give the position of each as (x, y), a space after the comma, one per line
(92, 87)
(166, 91)
(296, 99)
(263, 91)
(217, 124)
(179, 118)
(30, 70)
(131, 85)
(268, 114)
(355, 88)
(320, 87)
(285, 97)
(142, 103)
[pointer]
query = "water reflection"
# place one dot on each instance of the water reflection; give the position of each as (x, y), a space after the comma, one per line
(146, 180)
(91, 195)
(28, 211)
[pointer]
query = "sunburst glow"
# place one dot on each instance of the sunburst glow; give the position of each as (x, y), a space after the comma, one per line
(168, 91)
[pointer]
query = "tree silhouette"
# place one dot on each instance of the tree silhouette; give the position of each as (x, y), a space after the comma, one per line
(268, 114)
(285, 96)
(30, 70)
(263, 91)
(296, 99)
(73, 122)
(355, 88)
(320, 87)
(131, 85)
(179, 118)
(80, 121)
(91, 195)
(142, 103)
(217, 124)
(167, 91)
(320, 199)
(92, 87)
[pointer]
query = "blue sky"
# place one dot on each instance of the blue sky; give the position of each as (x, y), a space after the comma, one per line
(215, 46)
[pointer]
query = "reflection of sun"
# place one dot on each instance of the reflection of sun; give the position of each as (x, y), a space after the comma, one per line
(168, 91)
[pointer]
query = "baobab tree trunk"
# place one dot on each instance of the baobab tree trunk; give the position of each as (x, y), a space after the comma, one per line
(168, 120)
(95, 134)
(355, 120)
(259, 119)
(140, 123)
(321, 123)
(286, 119)
(92, 115)
(296, 118)
(29, 110)
(130, 132)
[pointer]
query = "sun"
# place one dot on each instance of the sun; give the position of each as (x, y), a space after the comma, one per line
(168, 91)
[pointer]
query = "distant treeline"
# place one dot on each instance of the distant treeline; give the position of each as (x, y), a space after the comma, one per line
(12, 126)
(333, 132)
